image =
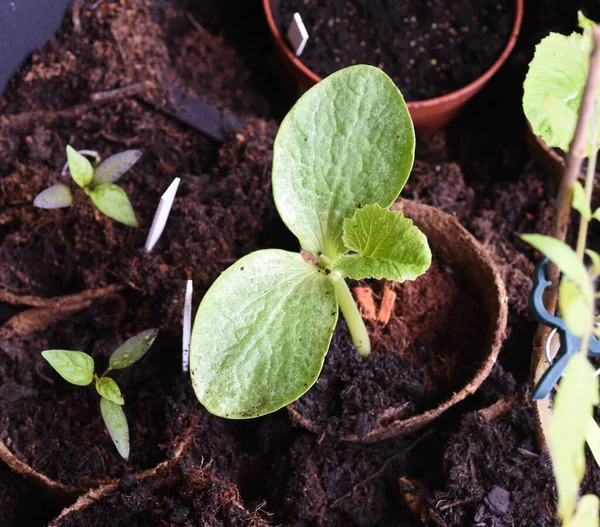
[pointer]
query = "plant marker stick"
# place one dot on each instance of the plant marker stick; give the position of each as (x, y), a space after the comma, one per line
(162, 214)
(297, 34)
(187, 326)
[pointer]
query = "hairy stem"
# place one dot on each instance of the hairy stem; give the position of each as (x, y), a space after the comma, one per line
(356, 324)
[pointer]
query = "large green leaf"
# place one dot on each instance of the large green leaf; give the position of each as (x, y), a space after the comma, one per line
(554, 85)
(113, 201)
(261, 334)
(132, 350)
(573, 407)
(75, 367)
(81, 169)
(116, 424)
(385, 245)
(349, 141)
(563, 257)
(587, 512)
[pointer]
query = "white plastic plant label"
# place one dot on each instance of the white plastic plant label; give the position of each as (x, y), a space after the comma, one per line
(297, 34)
(162, 214)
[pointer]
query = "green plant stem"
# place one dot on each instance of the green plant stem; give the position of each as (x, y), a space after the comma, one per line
(108, 370)
(356, 324)
(589, 187)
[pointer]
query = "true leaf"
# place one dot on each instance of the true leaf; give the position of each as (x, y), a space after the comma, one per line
(112, 201)
(75, 367)
(133, 350)
(592, 438)
(563, 257)
(386, 245)
(349, 141)
(54, 197)
(596, 215)
(81, 169)
(261, 334)
(595, 257)
(109, 389)
(580, 203)
(574, 307)
(587, 512)
(573, 407)
(559, 70)
(113, 167)
(116, 424)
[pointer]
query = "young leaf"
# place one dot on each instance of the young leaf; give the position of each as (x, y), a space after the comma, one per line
(81, 169)
(109, 389)
(592, 438)
(116, 424)
(574, 308)
(112, 201)
(54, 197)
(113, 167)
(596, 215)
(261, 334)
(573, 407)
(133, 350)
(587, 512)
(595, 257)
(387, 245)
(580, 203)
(563, 257)
(349, 141)
(75, 367)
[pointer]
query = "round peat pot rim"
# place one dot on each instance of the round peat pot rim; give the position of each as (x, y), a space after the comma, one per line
(429, 114)
(450, 240)
(163, 473)
(56, 488)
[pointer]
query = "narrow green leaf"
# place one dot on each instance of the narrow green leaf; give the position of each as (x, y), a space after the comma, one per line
(81, 169)
(349, 141)
(54, 197)
(575, 309)
(109, 389)
(133, 350)
(588, 510)
(592, 438)
(75, 367)
(116, 424)
(563, 257)
(573, 407)
(261, 334)
(580, 203)
(112, 201)
(386, 245)
(113, 167)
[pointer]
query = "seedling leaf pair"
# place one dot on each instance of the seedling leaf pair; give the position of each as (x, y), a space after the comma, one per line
(78, 368)
(97, 183)
(340, 159)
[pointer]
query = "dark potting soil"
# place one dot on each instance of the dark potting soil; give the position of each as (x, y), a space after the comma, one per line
(425, 353)
(176, 495)
(429, 48)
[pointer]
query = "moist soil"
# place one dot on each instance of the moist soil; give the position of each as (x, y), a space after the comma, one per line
(177, 495)
(429, 48)
(419, 358)
(478, 464)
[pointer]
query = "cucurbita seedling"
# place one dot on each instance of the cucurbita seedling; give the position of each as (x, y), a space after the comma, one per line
(340, 159)
(78, 368)
(98, 183)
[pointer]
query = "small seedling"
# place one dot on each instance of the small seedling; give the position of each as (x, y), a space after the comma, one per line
(561, 102)
(98, 183)
(78, 368)
(341, 158)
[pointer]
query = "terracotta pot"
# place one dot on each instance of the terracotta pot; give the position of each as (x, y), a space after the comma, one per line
(169, 474)
(60, 490)
(455, 245)
(428, 115)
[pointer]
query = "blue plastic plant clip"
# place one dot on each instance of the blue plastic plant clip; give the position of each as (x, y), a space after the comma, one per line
(569, 343)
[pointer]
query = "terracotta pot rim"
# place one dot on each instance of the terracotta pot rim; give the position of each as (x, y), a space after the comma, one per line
(57, 488)
(472, 87)
(488, 281)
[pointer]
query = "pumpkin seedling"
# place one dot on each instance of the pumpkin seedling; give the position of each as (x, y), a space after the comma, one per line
(98, 183)
(78, 368)
(341, 158)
